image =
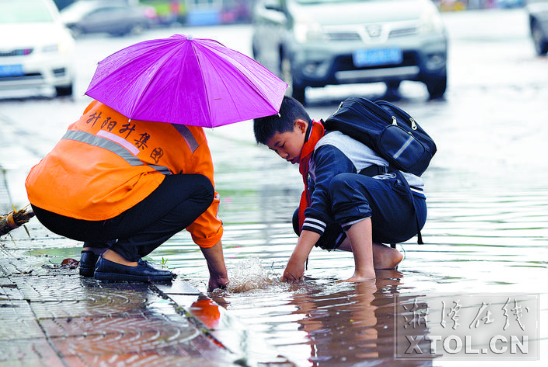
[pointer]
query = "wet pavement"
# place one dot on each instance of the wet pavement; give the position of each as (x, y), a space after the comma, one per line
(51, 316)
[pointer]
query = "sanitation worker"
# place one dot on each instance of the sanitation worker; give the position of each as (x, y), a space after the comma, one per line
(124, 187)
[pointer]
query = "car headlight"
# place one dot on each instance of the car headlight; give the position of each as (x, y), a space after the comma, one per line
(62, 47)
(307, 30)
(65, 46)
(431, 21)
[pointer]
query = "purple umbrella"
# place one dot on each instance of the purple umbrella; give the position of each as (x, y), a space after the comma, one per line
(186, 81)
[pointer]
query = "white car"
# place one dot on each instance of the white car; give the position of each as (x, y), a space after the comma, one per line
(36, 49)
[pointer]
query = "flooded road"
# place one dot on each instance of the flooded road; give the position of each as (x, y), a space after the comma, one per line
(487, 226)
(481, 238)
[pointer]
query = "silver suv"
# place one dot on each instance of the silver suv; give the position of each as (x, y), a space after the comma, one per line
(320, 42)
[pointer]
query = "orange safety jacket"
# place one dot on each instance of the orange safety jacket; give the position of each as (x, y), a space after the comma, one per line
(106, 163)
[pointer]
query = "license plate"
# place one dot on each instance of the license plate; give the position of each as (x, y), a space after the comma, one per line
(381, 56)
(11, 70)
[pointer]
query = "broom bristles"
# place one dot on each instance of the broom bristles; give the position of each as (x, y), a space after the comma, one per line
(15, 219)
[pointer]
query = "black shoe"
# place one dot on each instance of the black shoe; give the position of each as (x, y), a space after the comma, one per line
(143, 272)
(87, 263)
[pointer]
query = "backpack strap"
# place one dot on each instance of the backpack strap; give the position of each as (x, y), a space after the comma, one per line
(419, 235)
(375, 170)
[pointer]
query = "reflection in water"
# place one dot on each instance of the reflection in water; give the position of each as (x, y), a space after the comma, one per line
(347, 316)
(206, 311)
(326, 323)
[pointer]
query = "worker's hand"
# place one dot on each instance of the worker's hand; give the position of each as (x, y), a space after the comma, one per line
(217, 282)
(218, 277)
(293, 272)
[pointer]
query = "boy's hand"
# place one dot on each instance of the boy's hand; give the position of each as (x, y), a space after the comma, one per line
(293, 272)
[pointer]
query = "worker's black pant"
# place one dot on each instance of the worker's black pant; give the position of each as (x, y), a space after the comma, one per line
(135, 233)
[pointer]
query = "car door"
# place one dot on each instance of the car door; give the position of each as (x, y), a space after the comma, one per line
(109, 19)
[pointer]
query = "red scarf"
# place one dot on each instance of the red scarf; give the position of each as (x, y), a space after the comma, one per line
(315, 132)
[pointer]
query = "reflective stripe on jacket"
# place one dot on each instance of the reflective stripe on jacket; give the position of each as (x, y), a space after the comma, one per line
(107, 163)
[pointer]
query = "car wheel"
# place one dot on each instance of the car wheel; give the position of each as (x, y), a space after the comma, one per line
(393, 85)
(254, 51)
(297, 91)
(299, 94)
(65, 90)
(436, 85)
(541, 42)
(137, 29)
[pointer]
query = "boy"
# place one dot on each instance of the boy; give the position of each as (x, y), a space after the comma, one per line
(352, 200)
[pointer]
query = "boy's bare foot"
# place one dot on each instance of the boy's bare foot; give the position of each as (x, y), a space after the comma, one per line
(358, 277)
(385, 257)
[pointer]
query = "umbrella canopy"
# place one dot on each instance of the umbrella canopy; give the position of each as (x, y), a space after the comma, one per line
(188, 81)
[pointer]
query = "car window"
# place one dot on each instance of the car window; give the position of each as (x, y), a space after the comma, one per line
(21, 11)
(78, 8)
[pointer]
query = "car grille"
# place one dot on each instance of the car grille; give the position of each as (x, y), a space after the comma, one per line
(29, 76)
(18, 52)
(370, 32)
(343, 36)
(403, 32)
(59, 72)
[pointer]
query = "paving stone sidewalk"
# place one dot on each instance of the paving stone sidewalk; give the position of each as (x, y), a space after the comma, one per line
(51, 316)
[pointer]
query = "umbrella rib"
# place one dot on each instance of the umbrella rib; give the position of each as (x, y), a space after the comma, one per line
(206, 92)
(149, 82)
(243, 75)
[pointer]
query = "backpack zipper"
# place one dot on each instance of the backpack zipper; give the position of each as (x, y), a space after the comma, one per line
(404, 115)
(413, 123)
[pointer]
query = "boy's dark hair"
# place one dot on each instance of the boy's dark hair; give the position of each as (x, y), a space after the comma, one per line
(290, 110)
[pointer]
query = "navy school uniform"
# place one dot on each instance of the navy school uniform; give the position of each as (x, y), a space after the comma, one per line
(340, 196)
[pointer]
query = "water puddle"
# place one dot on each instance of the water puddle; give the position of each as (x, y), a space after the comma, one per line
(480, 241)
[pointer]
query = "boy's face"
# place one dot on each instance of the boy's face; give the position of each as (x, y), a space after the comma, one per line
(289, 145)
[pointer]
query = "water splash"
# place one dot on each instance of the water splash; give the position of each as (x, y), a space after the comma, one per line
(249, 274)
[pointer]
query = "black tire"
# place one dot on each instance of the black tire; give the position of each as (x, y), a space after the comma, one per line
(393, 85)
(539, 39)
(254, 52)
(436, 85)
(65, 90)
(297, 91)
(138, 29)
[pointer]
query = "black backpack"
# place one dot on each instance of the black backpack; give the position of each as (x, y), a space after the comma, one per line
(388, 130)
